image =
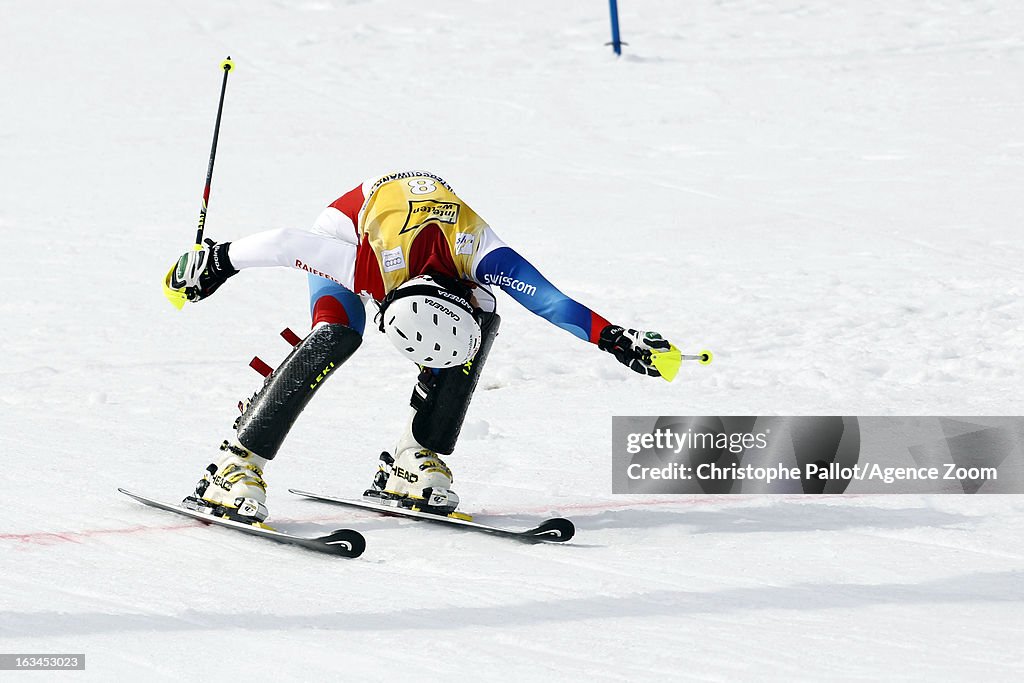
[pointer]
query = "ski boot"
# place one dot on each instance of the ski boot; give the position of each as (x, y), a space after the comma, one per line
(234, 487)
(416, 479)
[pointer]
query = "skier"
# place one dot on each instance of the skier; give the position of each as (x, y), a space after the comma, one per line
(428, 261)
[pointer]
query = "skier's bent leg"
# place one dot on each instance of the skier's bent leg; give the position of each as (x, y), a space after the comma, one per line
(234, 486)
(416, 475)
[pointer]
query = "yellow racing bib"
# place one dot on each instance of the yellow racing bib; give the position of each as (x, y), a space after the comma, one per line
(399, 205)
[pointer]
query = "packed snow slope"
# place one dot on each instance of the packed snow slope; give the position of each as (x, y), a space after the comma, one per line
(825, 194)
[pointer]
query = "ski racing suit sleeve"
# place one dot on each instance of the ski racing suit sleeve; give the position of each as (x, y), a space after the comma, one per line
(500, 265)
(327, 249)
(307, 251)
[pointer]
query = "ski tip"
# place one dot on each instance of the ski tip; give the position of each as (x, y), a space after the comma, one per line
(557, 530)
(347, 542)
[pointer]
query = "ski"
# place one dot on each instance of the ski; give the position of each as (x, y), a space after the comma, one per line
(554, 530)
(343, 542)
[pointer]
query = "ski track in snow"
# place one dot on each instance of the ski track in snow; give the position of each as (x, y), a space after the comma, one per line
(826, 195)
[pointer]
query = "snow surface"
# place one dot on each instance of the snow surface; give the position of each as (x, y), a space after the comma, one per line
(825, 194)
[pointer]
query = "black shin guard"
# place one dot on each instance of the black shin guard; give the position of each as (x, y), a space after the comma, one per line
(268, 418)
(441, 400)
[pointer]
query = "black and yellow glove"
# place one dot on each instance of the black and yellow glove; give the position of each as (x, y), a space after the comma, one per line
(634, 349)
(198, 273)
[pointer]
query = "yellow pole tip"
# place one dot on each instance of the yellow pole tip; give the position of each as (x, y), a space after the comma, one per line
(706, 357)
(227, 64)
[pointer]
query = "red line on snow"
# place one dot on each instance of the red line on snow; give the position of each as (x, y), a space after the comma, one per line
(53, 537)
(680, 500)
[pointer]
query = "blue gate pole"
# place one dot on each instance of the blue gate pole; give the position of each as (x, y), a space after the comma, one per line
(616, 43)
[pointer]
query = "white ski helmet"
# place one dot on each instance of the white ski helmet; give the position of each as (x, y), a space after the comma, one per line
(430, 323)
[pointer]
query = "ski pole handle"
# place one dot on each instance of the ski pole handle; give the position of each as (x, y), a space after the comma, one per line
(227, 65)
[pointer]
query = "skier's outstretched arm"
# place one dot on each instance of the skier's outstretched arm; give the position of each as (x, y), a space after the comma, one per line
(504, 267)
(200, 273)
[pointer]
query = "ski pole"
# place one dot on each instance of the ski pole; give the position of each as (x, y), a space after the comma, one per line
(176, 297)
(227, 65)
